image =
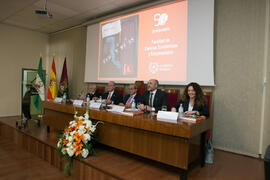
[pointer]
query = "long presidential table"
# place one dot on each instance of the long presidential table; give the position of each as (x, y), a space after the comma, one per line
(175, 144)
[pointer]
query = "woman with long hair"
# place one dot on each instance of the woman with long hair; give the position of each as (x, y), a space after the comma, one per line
(193, 101)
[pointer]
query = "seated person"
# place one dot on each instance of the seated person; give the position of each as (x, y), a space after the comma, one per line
(112, 96)
(63, 90)
(82, 95)
(153, 99)
(131, 96)
(193, 101)
(93, 94)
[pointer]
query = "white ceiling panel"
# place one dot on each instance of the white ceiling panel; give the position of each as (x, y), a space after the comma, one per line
(66, 13)
(19, 21)
(11, 7)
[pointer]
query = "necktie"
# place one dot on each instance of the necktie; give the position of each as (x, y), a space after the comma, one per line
(129, 99)
(151, 100)
(109, 96)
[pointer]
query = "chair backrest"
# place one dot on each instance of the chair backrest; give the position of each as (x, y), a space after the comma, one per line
(100, 89)
(141, 87)
(208, 97)
(120, 90)
(173, 95)
(141, 90)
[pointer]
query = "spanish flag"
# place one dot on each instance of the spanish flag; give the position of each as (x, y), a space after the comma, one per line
(52, 90)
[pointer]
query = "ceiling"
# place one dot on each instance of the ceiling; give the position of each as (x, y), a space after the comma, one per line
(66, 13)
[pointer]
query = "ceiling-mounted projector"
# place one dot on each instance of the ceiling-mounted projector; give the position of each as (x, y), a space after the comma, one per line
(44, 12)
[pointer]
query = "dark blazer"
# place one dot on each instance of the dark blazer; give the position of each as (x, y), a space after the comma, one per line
(116, 97)
(60, 94)
(96, 94)
(161, 99)
(137, 98)
(203, 110)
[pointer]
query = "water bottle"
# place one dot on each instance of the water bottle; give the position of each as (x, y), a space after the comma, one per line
(133, 104)
(100, 99)
(87, 98)
(64, 98)
(180, 111)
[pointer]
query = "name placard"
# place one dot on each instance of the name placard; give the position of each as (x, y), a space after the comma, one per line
(167, 116)
(78, 102)
(95, 105)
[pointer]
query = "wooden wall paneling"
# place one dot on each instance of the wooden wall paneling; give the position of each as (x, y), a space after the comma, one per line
(84, 172)
(59, 120)
(194, 149)
(167, 149)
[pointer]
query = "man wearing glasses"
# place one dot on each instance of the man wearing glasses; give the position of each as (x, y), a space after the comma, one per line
(133, 96)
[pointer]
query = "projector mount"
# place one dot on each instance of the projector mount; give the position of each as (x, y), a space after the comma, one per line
(44, 12)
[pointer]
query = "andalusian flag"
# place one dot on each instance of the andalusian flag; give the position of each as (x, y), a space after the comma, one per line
(52, 90)
(39, 84)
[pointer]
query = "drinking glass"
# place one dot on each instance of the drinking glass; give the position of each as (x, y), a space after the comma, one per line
(138, 105)
(164, 108)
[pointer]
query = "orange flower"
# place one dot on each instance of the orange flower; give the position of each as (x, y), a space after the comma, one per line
(77, 137)
(67, 130)
(78, 152)
(79, 123)
(65, 141)
(77, 148)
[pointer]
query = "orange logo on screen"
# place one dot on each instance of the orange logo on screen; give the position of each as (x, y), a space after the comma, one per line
(161, 19)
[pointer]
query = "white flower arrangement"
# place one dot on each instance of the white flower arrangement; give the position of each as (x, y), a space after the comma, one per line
(76, 140)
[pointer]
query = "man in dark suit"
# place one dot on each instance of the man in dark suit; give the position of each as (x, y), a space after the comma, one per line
(93, 94)
(132, 96)
(112, 96)
(153, 99)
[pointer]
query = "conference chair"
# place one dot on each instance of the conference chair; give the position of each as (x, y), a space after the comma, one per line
(141, 90)
(141, 87)
(100, 89)
(173, 95)
(120, 90)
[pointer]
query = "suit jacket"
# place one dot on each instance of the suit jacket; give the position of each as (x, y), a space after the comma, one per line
(116, 97)
(96, 94)
(60, 94)
(160, 99)
(203, 110)
(137, 98)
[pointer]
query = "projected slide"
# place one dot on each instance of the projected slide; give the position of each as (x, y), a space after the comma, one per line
(149, 44)
(118, 48)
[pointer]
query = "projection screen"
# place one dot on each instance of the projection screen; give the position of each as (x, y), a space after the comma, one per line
(172, 42)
